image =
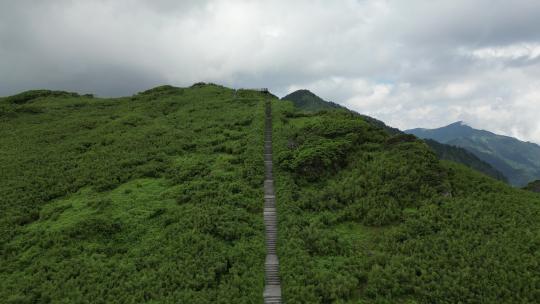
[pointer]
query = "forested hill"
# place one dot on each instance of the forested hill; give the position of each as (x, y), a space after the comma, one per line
(519, 161)
(158, 198)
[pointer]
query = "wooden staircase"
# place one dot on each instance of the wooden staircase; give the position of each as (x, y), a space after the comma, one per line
(272, 289)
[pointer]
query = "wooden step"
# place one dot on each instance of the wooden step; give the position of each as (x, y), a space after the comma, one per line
(272, 290)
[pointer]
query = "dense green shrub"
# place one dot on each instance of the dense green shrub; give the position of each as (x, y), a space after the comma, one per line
(158, 198)
(385, 222)
(121, 200)
(157, 92)
(98, 227)
(27, 96)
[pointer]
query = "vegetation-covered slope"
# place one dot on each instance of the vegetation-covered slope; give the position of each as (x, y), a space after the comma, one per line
(533, 186)
(158, 198)
(462, 156)
(518, 161)
(306, 101)
(154, 198)
(370, 218)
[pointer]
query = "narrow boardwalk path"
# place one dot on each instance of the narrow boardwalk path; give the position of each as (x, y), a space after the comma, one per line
(272, 288)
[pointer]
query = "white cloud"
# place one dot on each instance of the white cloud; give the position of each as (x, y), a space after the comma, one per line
(458, 89)
(410, 63)
(514, 51)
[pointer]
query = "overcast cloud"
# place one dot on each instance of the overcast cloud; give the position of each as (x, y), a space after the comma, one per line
(409, 63)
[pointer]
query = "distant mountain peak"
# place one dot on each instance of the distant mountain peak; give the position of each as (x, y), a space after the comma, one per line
(517, 160)
(460, 123)
(308, 101)
(303, 91)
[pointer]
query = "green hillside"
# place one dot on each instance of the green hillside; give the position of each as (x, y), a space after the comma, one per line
(158, 198)
(307, 101)
(519, 161)
(153, 198)
(462, 156)
(533, 186)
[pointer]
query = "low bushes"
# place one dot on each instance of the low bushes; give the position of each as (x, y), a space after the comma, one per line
(28, 96)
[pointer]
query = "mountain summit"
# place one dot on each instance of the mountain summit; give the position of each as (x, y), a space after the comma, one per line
(308, 101)
(519, 161)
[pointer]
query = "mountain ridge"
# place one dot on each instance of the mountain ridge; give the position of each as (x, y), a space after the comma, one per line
(306, 100)
(519, 161)
(462, 156)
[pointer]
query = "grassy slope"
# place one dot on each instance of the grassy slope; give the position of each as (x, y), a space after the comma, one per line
(519, 161)
(154, 198)
(306, 101)
(462, 156)
(158, 198)
(369, 218)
